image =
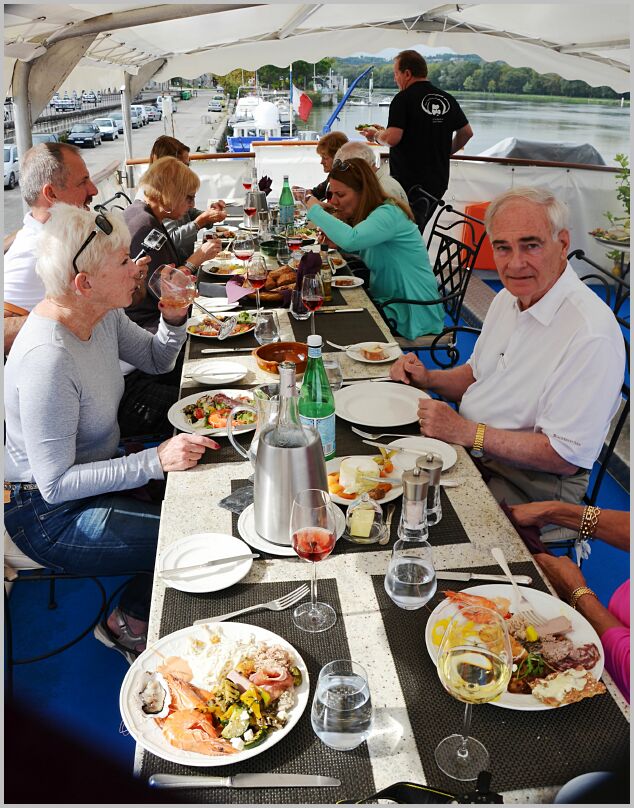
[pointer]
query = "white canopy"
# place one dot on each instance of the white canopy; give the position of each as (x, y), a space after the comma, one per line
(584, 41)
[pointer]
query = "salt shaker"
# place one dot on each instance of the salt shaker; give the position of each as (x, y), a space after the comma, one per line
(432, 464)
(413, 524)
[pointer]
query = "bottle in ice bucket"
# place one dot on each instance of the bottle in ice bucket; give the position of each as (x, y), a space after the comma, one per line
(288, 433)
(316, 401)
(326, 273)
(287, 205)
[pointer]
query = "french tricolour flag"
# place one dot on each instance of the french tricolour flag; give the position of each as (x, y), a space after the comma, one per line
(301, 103)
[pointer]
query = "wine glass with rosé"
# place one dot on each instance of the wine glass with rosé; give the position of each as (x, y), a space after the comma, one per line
(257, 271)
(312, 296)
(313, 536)
(250, 206)
(243, 249)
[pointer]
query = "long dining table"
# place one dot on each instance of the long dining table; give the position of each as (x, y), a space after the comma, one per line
(532, 752)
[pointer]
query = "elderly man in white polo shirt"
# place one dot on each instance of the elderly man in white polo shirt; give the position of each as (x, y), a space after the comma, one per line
(543, 382)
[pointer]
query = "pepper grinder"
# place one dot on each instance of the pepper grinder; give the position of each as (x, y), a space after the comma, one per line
(432, 464)
(413, 524)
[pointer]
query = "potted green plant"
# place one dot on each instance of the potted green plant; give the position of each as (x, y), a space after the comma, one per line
(619, 230)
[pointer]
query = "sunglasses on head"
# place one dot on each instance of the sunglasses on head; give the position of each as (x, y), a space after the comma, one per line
(101, 225)
(340, 165)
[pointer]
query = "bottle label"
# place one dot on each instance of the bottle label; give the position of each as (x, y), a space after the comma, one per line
(287, 215)
(314, 351)
(326, 428)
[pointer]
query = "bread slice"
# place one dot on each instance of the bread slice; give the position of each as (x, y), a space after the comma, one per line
(373, 353)
(566, 687)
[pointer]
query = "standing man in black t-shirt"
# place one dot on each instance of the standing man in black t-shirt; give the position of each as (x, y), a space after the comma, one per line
(420, 128)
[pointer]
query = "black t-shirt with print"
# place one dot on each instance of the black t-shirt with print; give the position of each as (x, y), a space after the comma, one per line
(428, 117)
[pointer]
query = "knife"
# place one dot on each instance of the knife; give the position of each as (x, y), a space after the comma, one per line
(393, 448)
(228, 349)
(369, 379)
(243, 781)
(336, 311)
(212, 563)
(445, 575)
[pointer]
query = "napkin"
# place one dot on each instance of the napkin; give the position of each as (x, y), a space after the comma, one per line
(264, 184)
(236, 290)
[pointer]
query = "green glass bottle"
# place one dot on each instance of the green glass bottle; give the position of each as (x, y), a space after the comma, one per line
(316, 401)
(287, 205)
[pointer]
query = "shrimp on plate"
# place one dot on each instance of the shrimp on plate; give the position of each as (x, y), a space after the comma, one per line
(472, 606)
(193, 731)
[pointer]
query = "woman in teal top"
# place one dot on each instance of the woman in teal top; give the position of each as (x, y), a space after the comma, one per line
(382, 231)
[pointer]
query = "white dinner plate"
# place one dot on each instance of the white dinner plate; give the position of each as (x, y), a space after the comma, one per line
(420, 445)
(222, 226)
(198, 320)
(545, 605)
(333, 465)
(176, 416)
(217, 372)
(228, 267)
(203, 547)
(216, 304)
(336, 282)
(146, 731)
(338, 261)
(391, 353)
(378, 403)
(246, 528)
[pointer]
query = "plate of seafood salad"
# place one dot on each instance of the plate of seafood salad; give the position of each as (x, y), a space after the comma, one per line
(214, 694)
(556, 661)
(205, 326)
(206, 413)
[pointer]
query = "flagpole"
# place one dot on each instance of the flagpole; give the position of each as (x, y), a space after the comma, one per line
(290, 100)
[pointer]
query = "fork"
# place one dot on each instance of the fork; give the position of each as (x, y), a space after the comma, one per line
(522, 604)
(376, 436)
(273, 605)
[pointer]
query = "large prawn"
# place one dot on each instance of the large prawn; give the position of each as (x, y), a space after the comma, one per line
(473, 606)
(193, 731)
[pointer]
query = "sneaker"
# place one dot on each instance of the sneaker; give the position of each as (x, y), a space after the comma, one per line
(116, 633)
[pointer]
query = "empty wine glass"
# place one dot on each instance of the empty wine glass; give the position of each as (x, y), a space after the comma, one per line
(410, 580)
(341, 714)
(257, 271)
(312, 296)
(333, 371)
(267, 327)
(243, 248)
(474, 665)
(313, 536)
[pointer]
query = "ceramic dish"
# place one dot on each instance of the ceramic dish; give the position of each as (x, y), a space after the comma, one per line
(421, 445)
(217, 372)
(177, 417)
(193, 321)
(391, 353)
(335, 463)
(347, 282)
(380, 404)
(197, 549)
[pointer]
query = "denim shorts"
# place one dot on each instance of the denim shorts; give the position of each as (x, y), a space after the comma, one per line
(108, 534)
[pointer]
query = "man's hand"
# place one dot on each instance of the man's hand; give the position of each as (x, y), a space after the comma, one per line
(370, 133)
(212, 215)
(531, 514)
(438, 420)
(207, 250)
(562, 572)
(184, 451)
(410, 370)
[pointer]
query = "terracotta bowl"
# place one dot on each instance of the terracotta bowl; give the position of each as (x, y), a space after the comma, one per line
(269, 356)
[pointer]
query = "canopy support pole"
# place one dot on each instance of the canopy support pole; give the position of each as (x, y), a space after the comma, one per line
(127, 127)
(22, 111)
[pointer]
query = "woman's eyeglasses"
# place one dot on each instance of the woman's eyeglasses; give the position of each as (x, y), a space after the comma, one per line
(101, 225)
(340, 165)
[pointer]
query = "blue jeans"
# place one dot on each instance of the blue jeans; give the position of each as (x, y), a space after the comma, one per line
(108, 534)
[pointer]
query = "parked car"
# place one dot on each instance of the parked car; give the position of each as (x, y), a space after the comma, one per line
(117, 117)
(108, 127)
(215, 105)
(11, 165)
(85, 134)
(44, 137)
(66, 104)
(154, 114)
(140, 112)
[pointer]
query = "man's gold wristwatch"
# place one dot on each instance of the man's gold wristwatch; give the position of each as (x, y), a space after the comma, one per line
(477, 450)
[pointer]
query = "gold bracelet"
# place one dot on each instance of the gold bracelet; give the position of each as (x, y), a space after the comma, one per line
(589, 521)
(579, 592)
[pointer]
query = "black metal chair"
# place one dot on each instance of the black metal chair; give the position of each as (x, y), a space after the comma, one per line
(423, 205)
(455, 244)
(102, 206)
(617, 290)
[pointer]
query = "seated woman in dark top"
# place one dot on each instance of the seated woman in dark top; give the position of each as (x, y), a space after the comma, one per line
(327, 146)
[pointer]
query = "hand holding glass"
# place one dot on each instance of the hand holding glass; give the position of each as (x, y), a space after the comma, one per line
(474, 665)
(313, 536)
(175, 288)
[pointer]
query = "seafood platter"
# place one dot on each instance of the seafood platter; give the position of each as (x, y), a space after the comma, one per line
(214, 694)
(557, 656)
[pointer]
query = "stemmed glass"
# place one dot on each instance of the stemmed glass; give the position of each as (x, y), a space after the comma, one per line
(257, 271)
(313, 536)
(250, 206)
(247, 182)
(283, 253)
(312, 296)
(243, 248)
(474, 665)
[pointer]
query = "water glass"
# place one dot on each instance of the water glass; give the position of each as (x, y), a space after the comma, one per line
(267, 328)
(410, 580)
(342, 709)
(333, 371)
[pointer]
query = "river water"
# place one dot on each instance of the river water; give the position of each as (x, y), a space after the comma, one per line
(606, 128)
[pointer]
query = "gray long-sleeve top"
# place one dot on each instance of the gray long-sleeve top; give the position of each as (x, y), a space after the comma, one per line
(184, 232)
(61, 400)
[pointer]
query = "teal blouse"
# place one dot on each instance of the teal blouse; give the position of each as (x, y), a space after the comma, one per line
(390, 245)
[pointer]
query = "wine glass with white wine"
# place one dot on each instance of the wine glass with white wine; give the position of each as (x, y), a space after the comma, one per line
(474, 665)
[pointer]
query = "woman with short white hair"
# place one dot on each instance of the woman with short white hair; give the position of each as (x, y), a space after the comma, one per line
(66, 506)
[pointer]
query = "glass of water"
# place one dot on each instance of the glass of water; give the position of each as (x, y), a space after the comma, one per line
(267, 327)
(333, 370)
(342, 709)
(410, 580)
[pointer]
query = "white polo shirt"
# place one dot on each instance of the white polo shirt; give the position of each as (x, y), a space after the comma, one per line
(22, 284)
(555, 368)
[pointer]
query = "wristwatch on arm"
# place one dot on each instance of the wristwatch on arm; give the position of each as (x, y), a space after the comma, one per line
(477, 450)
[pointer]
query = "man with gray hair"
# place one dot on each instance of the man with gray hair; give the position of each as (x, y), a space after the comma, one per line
(49, 173)
(543, 382)
(355, 148)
